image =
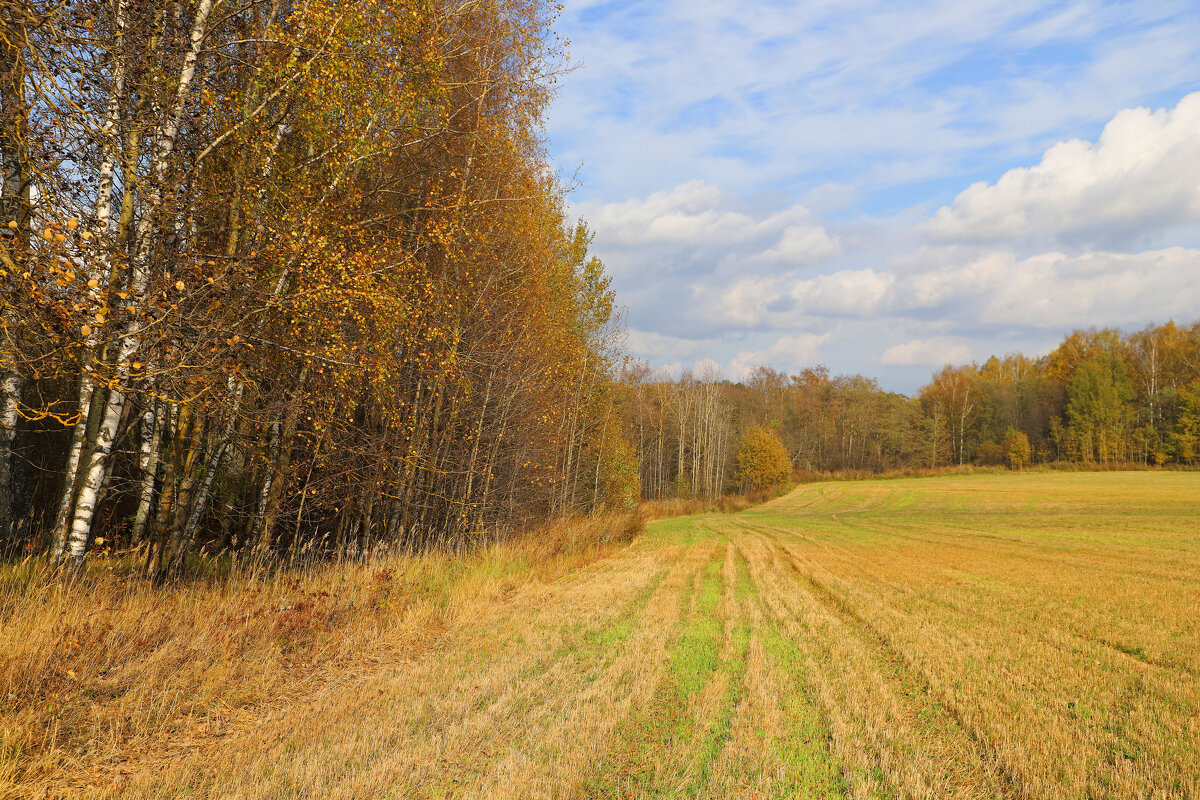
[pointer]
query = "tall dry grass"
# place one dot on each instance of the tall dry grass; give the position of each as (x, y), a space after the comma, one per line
(833, 476)
(650, 510)
(107, 669)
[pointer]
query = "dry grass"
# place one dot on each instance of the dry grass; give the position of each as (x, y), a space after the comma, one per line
(1029, 636)
(651, 510)
(968, 636)
(107, 675)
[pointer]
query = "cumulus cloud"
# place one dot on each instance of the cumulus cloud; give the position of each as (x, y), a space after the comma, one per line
(696, 214)
(1143, 173)
(925, 353)
(693, 213)
(742, 303)
(786, 352)
(965, 290)
(658, 347)
(851, 293)
(1052, 290)
(861, 94)
(800, 242)
(784, 301)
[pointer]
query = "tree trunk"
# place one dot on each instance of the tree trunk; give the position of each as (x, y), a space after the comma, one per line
(98, 463)
(15, 206)
(148, 463)
(10, 398)
(281, 462)
(236, 389)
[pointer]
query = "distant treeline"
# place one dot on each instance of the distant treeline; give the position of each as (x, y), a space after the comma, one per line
(1101, 397)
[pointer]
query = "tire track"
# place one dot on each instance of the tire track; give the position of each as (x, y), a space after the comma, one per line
(668, 748)
(913, 746)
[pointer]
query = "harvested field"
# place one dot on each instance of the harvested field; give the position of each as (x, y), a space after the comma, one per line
(987, 636)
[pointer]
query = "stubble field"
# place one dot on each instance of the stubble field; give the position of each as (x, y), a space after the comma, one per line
(987, 636)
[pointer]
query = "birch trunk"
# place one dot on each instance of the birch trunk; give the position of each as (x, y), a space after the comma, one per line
(98, 462)
(173, 421)
(282, 441)
(148, 463)
(10, 388)
(71, 472)
(103, 213)
(15, 206)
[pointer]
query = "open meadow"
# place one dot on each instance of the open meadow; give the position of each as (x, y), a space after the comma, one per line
(979, 636)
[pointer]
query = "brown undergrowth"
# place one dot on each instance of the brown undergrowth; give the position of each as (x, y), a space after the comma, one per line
(107, 671)
(668, 507)
(836, 476)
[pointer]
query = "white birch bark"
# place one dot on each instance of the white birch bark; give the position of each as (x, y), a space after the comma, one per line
(151, 435)
(259, 529)
(10, 389)
(98, 463)
(103, 214)
(78, 435)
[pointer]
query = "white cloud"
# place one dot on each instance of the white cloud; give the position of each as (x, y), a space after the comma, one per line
(967, 289)
(688, 214)
(1051, 290)
(1055, 291)
(695, 214)
(853, 293)
(742, 303)
(657, 347)
(861, 93)
(792, 351)
(784, 301)
(1142, 173)
(925, 353)
(804, 244)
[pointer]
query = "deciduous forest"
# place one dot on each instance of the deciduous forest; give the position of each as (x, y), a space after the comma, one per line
(287, 278)
(1102, 397)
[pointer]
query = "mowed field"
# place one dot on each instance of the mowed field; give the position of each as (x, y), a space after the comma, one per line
(987, 636)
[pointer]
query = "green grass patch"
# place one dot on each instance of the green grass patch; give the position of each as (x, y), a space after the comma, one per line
(711, 740)
(809, 768)
(664, 750)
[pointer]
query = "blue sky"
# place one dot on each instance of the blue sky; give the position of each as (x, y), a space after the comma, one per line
(883, 186)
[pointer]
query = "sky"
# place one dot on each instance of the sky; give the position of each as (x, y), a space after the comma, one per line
(882, 187)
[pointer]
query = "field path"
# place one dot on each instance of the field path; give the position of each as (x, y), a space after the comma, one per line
(993, 636)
